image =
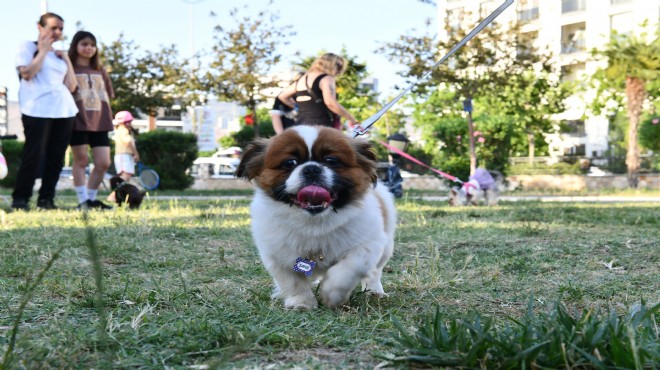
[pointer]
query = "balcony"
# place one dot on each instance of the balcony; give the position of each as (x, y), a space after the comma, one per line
(574, 46)
(573, 38)
(568, 6)
(528, 15)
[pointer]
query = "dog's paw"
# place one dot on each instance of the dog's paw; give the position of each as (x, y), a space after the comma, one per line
(334, 297)
(380, 294)
(300, 303)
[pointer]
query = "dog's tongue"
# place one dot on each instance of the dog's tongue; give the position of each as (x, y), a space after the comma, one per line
(313, 195)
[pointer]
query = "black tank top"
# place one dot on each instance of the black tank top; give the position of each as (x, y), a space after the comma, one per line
(313, 111)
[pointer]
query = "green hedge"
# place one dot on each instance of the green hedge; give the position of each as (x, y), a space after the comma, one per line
(12, 150)
(561, 168)
(171, 154)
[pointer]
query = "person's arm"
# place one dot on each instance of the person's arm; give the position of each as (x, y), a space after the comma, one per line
(276, 118)
(108, 84)
(286, 95)
(136, 155)
(28, 71)
(329, 91)
(70, 79)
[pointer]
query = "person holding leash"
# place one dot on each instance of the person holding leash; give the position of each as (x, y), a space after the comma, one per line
(315, 94)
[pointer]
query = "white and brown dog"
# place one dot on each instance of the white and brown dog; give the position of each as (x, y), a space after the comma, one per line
(317, 214)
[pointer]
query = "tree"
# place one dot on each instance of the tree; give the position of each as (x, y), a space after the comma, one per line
(144, 82)
(244, 58)
(632, 62)
(496, 68)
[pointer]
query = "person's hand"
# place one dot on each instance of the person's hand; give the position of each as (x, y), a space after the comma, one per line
(45, 41)
(62, 54)
(351, 123)
(136, 157)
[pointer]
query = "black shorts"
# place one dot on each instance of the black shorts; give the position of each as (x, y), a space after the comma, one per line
(92, 138)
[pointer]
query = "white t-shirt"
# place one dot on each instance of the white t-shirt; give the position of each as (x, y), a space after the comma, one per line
(45, 94)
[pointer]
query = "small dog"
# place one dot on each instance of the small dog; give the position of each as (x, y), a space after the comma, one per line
(318, 213)
(125, 193)
(481, 187)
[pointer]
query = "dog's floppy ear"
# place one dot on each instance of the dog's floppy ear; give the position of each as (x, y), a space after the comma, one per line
(115, 181)
(252, 160)
(366, 158)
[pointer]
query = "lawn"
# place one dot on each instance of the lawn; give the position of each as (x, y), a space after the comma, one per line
(183, 286)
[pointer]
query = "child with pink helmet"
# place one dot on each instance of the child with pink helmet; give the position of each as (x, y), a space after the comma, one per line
(126, 153)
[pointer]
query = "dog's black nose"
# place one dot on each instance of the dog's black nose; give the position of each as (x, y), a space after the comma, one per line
(312, 172)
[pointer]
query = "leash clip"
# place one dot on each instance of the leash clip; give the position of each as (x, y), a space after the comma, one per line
(359, 130)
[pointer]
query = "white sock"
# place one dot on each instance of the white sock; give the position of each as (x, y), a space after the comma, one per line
(91, 193)
(81, 192)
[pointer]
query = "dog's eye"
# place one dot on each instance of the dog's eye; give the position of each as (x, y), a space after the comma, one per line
(331, 161)
(289, 164)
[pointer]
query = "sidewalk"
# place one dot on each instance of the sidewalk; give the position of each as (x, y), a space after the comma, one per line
(523, 198)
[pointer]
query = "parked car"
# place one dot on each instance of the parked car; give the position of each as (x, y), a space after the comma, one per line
(222, 163)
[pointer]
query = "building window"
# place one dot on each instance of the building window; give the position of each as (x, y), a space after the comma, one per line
(574, 127)
(573, 38)
(486, 8)
(454, 17)
(527, 43)
(622, 23)
(577, 150)
(573, 72)
(568, 6)
(528, 10)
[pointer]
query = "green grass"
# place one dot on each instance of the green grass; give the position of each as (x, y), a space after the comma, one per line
(183, 285)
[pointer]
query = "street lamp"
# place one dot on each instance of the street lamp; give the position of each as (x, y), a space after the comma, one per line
(398, 141)
(394, 180)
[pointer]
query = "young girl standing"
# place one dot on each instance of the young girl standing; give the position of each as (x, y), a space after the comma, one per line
(94, 119)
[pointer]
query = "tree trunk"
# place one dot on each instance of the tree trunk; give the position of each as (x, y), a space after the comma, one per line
(531, 148)
(152, 121)
(253, 110)
(635, 94)
(473, 154)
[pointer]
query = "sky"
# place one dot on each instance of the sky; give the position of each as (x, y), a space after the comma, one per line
(360, 26)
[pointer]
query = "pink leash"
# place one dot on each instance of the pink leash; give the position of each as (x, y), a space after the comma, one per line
(415, 160)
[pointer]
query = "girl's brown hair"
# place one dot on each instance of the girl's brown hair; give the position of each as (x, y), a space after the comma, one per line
(73, 49)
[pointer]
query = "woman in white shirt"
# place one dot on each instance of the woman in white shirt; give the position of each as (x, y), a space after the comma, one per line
(47, 112)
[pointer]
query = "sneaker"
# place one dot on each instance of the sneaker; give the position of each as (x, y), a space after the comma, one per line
(46, 204)
(20, 205)
(98, 204)
(86, 205)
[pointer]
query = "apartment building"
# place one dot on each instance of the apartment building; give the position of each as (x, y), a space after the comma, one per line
(569, 29)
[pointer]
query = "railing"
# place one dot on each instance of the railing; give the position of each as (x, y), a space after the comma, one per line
(573, 46)
(568, 6)
(526, 15)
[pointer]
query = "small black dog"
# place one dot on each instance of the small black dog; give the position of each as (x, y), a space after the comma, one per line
(125, 192)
